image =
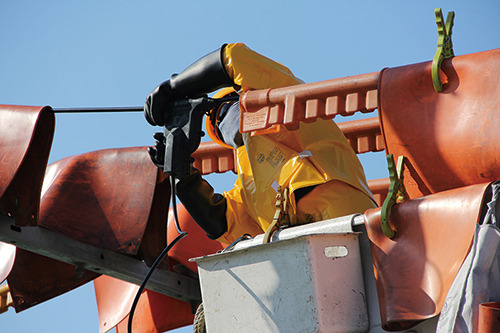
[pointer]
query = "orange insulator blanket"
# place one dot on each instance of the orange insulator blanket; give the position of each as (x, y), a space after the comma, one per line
(450, 139)
(26, 134)
(415, 269)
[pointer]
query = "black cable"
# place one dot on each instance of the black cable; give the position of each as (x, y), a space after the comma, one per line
(174, 208)
(117, 109)
(230, 246)
(181, 235)
(99, 109)
(162, 255)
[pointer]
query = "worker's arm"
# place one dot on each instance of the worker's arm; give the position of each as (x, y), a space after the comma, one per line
(232, 65)
(207, 208)
(202, 77)
(252, 71)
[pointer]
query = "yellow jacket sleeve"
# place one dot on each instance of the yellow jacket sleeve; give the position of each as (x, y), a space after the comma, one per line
(252, 71)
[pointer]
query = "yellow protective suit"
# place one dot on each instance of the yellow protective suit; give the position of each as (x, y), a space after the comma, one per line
(315, 154)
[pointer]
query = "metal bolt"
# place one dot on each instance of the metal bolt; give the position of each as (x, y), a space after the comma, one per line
(80, 269)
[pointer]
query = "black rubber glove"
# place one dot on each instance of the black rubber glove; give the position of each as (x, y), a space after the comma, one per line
(157, 153)
(156, 105)
(202, 77)
(207, 208)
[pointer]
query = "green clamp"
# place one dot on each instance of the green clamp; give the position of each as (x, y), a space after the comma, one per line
(444, 47)
(397, 193)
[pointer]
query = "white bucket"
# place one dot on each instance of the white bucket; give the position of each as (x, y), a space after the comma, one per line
(310, 283)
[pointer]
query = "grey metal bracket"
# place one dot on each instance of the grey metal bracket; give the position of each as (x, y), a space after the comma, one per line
(56, 246)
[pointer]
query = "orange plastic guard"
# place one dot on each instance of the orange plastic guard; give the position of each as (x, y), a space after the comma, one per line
(211, 157)
(26, 134)
(363, 135)
(415, 269)
(262, 109)
(379, 188)
(449, 139)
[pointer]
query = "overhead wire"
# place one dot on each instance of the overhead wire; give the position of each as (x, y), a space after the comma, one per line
(99, 109)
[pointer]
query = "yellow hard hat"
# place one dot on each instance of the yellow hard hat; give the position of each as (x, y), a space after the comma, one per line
(211, 120)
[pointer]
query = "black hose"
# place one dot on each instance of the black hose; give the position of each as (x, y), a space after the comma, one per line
(162, 255)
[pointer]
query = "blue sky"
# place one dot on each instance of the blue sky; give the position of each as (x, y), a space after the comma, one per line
(113, 53)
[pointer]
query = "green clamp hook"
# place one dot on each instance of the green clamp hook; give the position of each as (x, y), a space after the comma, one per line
(397, 193)
(444, 47)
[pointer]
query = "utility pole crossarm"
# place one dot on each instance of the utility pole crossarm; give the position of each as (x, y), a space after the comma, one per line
(56, 246)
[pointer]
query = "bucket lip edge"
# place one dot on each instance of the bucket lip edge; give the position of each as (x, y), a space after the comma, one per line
(278, 241)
